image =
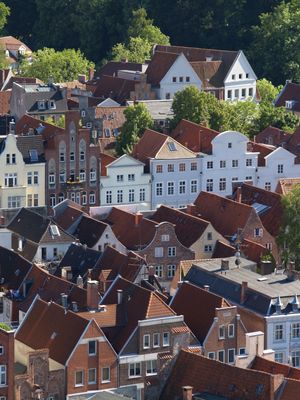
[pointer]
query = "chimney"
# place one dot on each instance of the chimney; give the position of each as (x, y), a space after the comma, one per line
(64, 300)
(74, 306)
(243, 292)
(66, 273)
(92, 295)
(187, 392)
(12, 127)
(2, 220)
(138, 218)
(91, 73)
(79, 281)
(206, 287)
(239, 194)
(224, 265)
(120, 296)
(191, 209)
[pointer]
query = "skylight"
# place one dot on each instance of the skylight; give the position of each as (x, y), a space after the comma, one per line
(33, 155)
(54, 230)
(172, 146)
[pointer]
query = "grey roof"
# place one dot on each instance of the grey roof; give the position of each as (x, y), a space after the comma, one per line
(262, 293)
(32, 142)
(158, 109)
(105, 395)
(214, 264)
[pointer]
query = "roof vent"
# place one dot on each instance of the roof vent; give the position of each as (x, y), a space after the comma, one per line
(208, 58)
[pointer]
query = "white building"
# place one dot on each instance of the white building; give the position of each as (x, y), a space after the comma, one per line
(125, 182)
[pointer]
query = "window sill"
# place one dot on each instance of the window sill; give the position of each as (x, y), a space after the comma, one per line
(105, 381)
(79, 385)
(135, 376)
(92, 383)
(151, 374)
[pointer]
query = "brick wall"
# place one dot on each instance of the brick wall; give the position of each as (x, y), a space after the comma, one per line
(7, 360)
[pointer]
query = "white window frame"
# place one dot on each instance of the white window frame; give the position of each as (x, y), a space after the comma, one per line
(105, 380)
(170, 188)
(172, 251)
(223, 353)
(211, 355)
(89, 352)
(136, 366)
(158, 252)
(146, 341)
(153, 367)
(221, 337)
(231, 331)
(159, 189)
(95, 380)
(166, 339)
(82, 380)
(278, 332)
(171, 270)
(156, 343)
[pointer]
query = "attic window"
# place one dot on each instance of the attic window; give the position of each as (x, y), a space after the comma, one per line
(41, 105)
(289, 104)
(52, 104)
(54, 230)
(172, 146)
(33, 155)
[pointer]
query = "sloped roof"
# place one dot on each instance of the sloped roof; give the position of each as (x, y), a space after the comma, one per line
(210, 73)
(159, 65)
(223, 250)
(5, 102)
(278, 136)
(187, 227)
(194, 136)
(49, 326)
(116, 88)
(263, 150)
(12, 43)
(89, 230)
(31, 142)
(112, 67)
(204, 301)
(105, 160)
(285, 185)
(290, 92)
(253, 251)
(13, 268)
(213, 377)
(132, 236)
(226, 215)
(47, 130)
(272, 367)
(68, 217)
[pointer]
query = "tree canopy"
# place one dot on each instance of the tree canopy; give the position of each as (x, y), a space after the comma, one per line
(137, 120)
(62, 66)
(4, 13)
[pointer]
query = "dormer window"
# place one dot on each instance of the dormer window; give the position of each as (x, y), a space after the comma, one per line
(289, 104)
(41, 105)
(52, 104)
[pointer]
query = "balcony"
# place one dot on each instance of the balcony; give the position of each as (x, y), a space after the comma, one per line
(73, 184)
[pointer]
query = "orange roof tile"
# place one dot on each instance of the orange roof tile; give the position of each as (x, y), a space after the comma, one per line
(285, 185)
(5, 102)
(272, 367)
(105, 159)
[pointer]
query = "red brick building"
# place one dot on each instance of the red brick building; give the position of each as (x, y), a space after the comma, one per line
(6, 364)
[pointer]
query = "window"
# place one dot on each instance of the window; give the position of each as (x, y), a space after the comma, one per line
(171, 146)
(10, 180)
(107, 131)
(159, 169)
(82, 155)
(233, 77)
(62, 177)
(165, 238)
(247, 75)
(52, 200)
(242, 351)
(61, 197)
(210, 165)
(235, 163)
(229, 145)
(279, 356)
(92, 347)
(62, 156)
(269, 246)
(158, 271)
(82, 175)
(193, 166)
(51, 179)
(181, 79)
(120, 178)
(134, 369)
(222, 184)
(222, 164)
(230, 330)
(108, 197)
(208, 248)
(209, 185)
(172, 251)
(278, 332)
(229, 94)
(131, 196)
(236, 93)
(166, 339)
(171, 270)
(7, 158)
(194, 186)
(79, 378)
(170, 186)
(158, 252)
(211, 355)
(181, 187)
(295, 330)
(41, 105)
(268, 186)
(221, 355)
(295, 358)
(221, 332)
(29, 178)
(151, 368)
(187, 78)
(170, 167)
(131, 177)
(235, 178)
(146, 341)
(248, 162)
(240, 76)
(13, 158)
(3, 375)
(92, 175)
(35, 200)
(209, 235)
(250, 92)
(243, 92)
(92, 375)
(258, 232)
(35, 178)
(1, 350)
(119, 196)
(280, 168)
(182, 167)
(156, 339)
(92, 198)
(174, 79)
(159, 189)
(142, 194)
(14, 201)
(231, 354)
(105, 374)
(29, 200)
(72, 156)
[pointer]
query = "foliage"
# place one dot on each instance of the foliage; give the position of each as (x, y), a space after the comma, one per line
(137, 120)
(276, 43)
(4, 13)
(289, 236)
(60, 122)
(267, 91)
(61, 65)
(5, 327)
(142, 35)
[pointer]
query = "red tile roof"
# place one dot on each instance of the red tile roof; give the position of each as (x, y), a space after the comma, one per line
(223, 250)
(26, 122)
(273, 136)
(253, 251)
(5, 102)
(149, 145)
(159, 65)
(272, 367)
(116, 88)
(285, 185)
(112, 68)
(188, 228)
(204, 301)
(105, 159)
(262, 149)
(194, 136)
(216, 378)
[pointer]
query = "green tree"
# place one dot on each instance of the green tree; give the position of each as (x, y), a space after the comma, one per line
(267, 91)
(138, 50)
(61, 65)
(60, 122)
(276, 43)
(289, 236)
(137, 120)
(4, 13)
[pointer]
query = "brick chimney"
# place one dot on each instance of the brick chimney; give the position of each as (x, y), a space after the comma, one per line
(239, 194)
(191, 209)
(138, 218)
(243, 292)
(92, 295)
(187, 392)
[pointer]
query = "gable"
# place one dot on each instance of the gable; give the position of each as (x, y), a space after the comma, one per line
(240, 65)
(181, 151)
(125, 161)
(280, 153)
(181, 67)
